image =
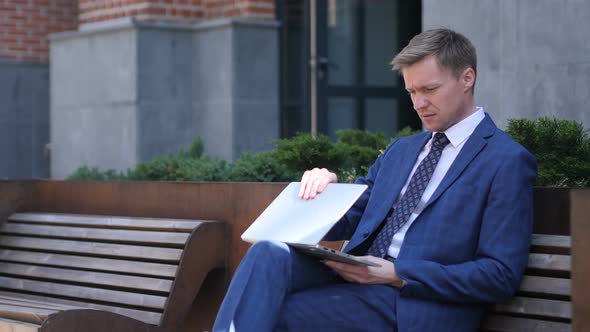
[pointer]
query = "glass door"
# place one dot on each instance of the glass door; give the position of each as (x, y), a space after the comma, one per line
(355, 87)
(335, 70)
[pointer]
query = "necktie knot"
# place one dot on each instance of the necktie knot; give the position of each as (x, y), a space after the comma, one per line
(439, 141)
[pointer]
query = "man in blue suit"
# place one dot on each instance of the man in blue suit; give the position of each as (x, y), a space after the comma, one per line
(447, 214)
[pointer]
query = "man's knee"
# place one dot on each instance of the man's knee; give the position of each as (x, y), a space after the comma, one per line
(275, 254)
(269, 249)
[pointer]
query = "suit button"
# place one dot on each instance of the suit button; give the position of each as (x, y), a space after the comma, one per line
(366, 234)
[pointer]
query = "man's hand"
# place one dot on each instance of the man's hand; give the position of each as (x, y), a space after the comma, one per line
(363, 274)
(315, 181)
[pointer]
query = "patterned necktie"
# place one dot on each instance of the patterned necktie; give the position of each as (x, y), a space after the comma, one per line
(410, 199)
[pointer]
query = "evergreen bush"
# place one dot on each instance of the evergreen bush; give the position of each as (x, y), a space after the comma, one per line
(260, 167)
(304, 152)
(562, 149)
(86, 173)
(349, 157)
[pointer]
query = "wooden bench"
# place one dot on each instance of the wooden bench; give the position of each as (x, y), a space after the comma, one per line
(65, 272)
(543, 303)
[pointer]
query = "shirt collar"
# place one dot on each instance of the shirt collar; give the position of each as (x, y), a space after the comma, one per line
(460, 131)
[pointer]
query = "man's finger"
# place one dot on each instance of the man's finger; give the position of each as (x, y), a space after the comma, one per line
(304, 181)
(322, 185)
(314, 189)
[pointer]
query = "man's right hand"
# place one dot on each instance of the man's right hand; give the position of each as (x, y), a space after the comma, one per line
(315, 181)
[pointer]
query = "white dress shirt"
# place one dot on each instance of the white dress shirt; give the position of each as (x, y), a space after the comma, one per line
(457, 135)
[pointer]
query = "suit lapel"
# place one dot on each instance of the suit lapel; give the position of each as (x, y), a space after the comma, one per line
(473, 146)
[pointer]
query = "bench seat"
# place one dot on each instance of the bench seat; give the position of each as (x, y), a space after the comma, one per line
(143, 273)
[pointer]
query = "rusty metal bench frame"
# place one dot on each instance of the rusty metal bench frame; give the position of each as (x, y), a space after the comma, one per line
(65, 272)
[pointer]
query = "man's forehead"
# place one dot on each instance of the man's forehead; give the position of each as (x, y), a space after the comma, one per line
(416, 82)
(424, 72)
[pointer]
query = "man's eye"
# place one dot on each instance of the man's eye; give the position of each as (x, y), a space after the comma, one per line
(430, 89)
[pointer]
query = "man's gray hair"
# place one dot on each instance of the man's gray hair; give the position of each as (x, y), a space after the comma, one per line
(452, 50)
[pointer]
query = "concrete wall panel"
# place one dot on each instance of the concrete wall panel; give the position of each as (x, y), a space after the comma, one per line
(212, 89)
(532, 54)
(101, 136)
(165, 62)
(256, 127)
(256, 88)
(24, 120)
(214, 124)
(94, 95)
(236, 68)
(94, 68)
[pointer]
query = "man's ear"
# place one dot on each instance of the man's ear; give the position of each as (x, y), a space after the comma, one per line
(468, 79)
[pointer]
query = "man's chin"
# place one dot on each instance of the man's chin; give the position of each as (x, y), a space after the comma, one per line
(430, 127)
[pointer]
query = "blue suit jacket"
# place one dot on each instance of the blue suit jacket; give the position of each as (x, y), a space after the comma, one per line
(469, 246)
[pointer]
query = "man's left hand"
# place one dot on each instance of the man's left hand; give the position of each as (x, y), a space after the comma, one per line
(363, 274)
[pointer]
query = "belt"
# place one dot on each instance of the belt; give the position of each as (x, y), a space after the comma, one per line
(389, 258)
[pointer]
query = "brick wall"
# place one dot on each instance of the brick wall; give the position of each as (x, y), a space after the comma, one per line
(25, 24)
(174, 10)
(239, 8)
(102, 10)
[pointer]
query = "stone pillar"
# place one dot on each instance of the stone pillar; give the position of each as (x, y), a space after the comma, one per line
(236, 87)
(143, 80)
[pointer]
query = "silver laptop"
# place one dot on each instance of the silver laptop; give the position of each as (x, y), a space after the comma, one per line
(303, 223)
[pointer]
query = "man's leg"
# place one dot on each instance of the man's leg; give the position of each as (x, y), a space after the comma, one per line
(340, 308)
(268, 272)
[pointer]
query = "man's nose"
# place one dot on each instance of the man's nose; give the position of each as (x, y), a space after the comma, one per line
(420, 102)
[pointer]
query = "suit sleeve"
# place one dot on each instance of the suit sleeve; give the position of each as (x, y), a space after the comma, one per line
(502, 254)
(346, 226)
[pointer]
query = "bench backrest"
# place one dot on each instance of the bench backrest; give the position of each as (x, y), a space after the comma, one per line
(543, 302)
(118, 264)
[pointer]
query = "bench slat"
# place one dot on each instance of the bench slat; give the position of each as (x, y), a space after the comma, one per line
(499, 323)
(93, 248)
(9, 325)
(33, 304)
(86, 293)
(546, 285)
(560, 263)
(27, 314)
(93, 234)
(144, 316)
(536, 307)
(551, 244)
(93, 263)
(155, 224)
(95, 278)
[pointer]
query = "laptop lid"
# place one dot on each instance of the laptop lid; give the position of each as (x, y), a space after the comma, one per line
(294, 220)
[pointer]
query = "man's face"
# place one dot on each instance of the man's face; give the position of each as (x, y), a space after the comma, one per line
(440, 99)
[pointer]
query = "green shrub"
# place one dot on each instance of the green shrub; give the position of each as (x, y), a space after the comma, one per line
(562, 149)
(204, 169)
(304, 152)
(358, 149)
(406, 131)
(180, 168)
(159, 169)
(350, 157)
(261, 167)
(85, 173)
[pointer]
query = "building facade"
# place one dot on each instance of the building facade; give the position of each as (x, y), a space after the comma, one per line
(108, 84)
